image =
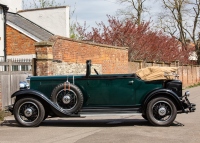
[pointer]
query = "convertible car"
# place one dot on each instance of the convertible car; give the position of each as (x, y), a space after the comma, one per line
(158, 101)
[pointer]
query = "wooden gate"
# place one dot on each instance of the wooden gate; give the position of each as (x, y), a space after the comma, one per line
(11, 73)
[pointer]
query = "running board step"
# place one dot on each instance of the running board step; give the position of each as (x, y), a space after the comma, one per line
(85, 114)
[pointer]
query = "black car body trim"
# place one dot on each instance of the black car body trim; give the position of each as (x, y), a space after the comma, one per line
(29, 92)
(164, 92)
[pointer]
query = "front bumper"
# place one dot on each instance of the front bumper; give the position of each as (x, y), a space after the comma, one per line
(188, 107)
(9, 108)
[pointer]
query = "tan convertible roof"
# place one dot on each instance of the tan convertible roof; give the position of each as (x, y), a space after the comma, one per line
(157, 73)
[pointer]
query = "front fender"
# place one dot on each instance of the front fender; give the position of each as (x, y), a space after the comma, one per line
(164, 92)
(36, 94)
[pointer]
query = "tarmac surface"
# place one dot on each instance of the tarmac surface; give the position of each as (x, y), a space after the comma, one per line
(115, 129)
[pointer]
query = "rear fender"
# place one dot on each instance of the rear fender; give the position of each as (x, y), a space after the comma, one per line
(36, 94)
(166, 93)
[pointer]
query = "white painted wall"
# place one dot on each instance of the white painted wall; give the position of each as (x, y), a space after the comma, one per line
(30, 56)
(55, 20)
(14, 5)
(1, 32)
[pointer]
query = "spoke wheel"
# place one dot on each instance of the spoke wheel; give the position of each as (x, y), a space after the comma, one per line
(161, 111)
(67, 100)
(68, 97)
(29, 112)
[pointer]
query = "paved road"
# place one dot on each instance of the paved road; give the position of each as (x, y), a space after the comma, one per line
(129, 129)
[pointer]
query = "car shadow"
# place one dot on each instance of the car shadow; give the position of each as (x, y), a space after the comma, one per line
(60, 122)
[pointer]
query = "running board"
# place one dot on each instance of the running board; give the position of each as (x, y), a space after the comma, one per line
(108, 114)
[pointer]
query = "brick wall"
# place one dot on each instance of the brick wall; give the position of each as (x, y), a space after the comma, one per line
(44, 57)
(108, 59)
(113, 59)
(18, 43)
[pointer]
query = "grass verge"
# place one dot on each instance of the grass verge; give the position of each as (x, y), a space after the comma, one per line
(2, 115)
(194, 85)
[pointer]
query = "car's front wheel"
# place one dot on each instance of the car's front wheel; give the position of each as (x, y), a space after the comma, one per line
(29, 112)
(161, 111)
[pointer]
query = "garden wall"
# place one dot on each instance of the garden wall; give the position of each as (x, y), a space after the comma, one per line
(62, 55)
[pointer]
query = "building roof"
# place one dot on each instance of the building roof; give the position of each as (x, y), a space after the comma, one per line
(46, 8)
(31, 29)
(4, 7)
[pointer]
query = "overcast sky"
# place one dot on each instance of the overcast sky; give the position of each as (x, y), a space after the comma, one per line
(93, 11)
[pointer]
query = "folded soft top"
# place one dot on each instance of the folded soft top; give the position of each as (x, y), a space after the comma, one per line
(157, 73)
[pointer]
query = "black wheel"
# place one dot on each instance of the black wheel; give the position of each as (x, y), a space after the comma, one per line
(68, 97)
(29, 112)
(161, 111)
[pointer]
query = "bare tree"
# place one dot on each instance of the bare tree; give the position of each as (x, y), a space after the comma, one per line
(134, 9)
(181, 19)
(41, 3)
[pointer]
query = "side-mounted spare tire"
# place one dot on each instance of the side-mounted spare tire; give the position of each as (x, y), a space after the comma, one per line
(68, 97)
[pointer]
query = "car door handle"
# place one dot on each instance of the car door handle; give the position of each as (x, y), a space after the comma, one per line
(131, 82)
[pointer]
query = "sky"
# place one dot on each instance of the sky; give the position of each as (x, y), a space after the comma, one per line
(95, 11)
(92, 11)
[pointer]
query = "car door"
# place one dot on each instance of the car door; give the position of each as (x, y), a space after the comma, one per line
(110, 91)
(122, 92)
(98, 89)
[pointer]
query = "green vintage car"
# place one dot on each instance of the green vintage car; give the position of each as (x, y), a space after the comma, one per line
(84, 95)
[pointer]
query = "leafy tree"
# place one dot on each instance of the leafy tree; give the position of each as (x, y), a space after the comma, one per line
(143, 43)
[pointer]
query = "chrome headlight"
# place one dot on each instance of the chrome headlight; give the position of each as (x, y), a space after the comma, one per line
(28, 81)
(187, 93)
(23, 85)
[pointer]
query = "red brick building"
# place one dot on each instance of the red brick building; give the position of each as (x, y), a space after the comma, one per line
(21, 36)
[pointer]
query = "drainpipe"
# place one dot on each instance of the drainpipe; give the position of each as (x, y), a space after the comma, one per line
(5, 10)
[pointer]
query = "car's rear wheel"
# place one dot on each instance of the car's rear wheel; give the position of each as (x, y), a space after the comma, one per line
(161, 111)
(68, 97)
(29, 112)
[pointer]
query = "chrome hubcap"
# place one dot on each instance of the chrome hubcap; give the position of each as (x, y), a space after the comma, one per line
(66, 99)
(28, 112)
(162, 111)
